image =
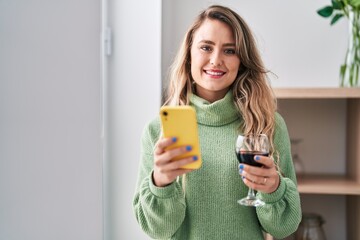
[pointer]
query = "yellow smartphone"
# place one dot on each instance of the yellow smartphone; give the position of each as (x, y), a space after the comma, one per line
(180, 122)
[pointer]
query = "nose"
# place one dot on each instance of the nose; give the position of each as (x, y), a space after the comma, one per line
(216, 59)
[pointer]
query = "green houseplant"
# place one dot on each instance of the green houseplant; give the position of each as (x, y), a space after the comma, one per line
(350, 9)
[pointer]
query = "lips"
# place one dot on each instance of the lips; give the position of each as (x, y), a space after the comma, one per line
(215, 73)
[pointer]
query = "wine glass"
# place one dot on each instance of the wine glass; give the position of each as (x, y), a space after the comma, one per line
(247, 146)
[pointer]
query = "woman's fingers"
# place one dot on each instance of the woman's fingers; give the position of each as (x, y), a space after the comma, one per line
(162, 143)
(166, 174)
(177, 164)
(166, 169)
(266, 185)
(168, 155)
(265, 161)
(260, 180)
(264, 179)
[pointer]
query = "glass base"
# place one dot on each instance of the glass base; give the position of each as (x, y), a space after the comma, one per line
(252, 202)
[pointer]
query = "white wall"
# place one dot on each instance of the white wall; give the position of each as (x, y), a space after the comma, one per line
(132, 99)
(298, 45)
(50, 146)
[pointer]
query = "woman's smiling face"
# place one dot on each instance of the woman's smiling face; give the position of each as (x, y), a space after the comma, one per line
(214, 62)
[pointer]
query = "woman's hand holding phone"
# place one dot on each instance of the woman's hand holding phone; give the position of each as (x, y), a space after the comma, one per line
(165, 169)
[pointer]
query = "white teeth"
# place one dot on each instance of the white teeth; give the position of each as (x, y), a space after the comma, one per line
(215, 73)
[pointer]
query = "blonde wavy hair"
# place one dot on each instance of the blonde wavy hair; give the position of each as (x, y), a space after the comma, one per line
(252, 93)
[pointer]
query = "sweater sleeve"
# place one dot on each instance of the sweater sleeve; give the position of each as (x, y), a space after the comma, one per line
(281, 214)
(158, 210)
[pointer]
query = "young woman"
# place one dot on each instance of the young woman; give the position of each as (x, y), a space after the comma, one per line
(219, 72)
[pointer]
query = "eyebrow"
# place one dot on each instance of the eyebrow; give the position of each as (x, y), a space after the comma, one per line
(212, 43)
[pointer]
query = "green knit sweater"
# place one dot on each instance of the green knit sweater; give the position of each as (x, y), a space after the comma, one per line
(208, 209)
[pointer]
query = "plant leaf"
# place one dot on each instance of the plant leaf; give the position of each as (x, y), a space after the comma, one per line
(325, 11)
(342, 74)
(338, 5)
(354, 3)
(336, 18)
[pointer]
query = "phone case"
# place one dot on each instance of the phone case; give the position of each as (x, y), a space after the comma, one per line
(180, 122)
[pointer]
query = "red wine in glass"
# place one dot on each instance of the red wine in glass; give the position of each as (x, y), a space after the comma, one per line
(247, 157)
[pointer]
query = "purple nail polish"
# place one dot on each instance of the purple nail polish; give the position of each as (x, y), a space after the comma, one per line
(195, 158)
(188, 148)
(174, 139)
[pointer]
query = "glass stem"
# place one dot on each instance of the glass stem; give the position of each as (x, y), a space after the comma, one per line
(251, 194)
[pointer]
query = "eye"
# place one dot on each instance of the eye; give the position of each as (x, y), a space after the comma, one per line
(206, 48)
(229, 51)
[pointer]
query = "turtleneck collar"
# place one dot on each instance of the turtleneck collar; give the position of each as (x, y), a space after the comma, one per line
(218, 113)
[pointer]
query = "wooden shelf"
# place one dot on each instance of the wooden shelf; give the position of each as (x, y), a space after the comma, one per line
(313, 93)
(339, 185)
(348, 183)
